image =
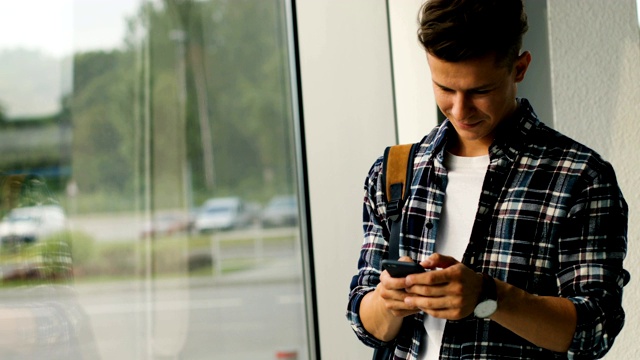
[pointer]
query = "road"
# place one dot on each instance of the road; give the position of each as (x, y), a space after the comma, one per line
(251, 314)
(128, 226)
(241, 318)
(109, 227)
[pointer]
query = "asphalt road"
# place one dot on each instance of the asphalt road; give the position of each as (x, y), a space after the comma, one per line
(253, 315)
(109, 227)
(129, 226)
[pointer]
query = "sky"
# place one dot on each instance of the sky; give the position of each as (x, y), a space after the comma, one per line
(33, 85)
(58, 27)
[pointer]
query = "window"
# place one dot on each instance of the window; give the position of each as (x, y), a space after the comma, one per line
(136, 121)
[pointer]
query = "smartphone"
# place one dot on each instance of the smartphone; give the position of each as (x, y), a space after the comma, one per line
(399, 269)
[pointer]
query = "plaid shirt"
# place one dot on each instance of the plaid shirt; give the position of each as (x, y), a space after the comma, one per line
(551, 220)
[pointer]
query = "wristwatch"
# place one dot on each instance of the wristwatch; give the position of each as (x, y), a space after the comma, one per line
(488, 301)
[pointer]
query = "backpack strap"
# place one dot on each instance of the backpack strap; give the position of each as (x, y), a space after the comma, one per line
(397, 169)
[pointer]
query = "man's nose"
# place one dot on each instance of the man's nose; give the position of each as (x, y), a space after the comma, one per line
(461, 108)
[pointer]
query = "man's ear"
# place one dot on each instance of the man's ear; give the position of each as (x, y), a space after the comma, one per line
(521, 65)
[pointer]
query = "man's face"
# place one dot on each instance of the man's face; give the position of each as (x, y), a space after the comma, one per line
(476, 95)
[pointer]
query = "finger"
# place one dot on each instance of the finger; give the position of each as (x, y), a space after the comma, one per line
(392, 295)
(390, 282)
(451, 274)
(429, 278)
(447, 281)
(444, 307)
(393, 301)
(427, 290)
(426, 303)
(391, 289)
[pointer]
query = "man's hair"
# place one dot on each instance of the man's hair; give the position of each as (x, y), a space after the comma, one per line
(458, 30)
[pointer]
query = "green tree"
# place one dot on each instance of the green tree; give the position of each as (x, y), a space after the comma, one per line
(101, 112)
(201, 86)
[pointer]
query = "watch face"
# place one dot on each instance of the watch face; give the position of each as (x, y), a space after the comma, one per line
(486, 308)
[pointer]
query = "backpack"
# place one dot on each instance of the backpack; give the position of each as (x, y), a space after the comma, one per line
(397, 174)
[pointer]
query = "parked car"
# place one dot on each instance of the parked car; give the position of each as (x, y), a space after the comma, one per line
(166, 225)
(225, 214)
(29, 224)
(281, 211)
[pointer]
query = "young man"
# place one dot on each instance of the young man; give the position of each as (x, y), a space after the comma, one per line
(503, 210)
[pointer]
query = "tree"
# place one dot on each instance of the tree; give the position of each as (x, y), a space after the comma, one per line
(208, 82)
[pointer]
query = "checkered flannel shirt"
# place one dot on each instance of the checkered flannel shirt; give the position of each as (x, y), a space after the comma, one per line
(551, 220)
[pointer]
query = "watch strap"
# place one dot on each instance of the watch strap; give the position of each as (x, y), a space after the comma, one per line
(489, 289)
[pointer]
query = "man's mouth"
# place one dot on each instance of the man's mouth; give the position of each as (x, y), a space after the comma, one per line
(468, 124)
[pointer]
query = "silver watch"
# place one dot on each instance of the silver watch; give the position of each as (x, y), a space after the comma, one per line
(488, 301)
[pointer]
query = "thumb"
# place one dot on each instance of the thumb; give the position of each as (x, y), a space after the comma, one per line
(437, 260)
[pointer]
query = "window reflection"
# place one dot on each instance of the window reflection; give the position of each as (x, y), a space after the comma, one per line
(170, 226)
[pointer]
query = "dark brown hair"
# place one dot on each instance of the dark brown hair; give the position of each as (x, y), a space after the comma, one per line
(457, 30)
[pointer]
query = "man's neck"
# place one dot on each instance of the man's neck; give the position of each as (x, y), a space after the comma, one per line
(470, 149)
(480, 147)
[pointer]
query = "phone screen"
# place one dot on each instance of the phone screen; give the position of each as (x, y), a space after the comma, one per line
(398, 269)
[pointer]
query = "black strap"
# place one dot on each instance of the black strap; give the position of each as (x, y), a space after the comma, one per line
(394, 240)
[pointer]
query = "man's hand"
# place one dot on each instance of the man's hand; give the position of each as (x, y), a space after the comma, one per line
(392, 292)
(383, 309)
(449, 291)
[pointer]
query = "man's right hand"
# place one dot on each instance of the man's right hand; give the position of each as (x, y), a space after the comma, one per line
(383, 309)
(392, 292)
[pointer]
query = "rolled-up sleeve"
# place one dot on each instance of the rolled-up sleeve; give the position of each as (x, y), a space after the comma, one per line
(592, 250)
(373, 251)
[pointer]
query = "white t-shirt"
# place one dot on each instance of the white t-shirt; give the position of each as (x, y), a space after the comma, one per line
(465, 177)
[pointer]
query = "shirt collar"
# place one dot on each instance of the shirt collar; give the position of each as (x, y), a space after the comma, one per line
(510, 134)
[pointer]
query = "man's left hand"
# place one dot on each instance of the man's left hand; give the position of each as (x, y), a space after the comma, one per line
(450, 290)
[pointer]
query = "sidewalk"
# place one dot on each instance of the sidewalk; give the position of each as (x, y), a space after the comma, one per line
(273, 270)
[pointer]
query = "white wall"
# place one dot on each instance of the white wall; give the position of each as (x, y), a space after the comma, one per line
(349, 118)
(536, 86)
(349, 115)
(595, 73)
(415, 104)
(590, 91)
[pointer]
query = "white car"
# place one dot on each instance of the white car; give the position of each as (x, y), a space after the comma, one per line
(224, 214)
(28, 224)
(281, 211)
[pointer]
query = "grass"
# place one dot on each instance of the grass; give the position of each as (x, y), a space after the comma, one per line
(166, 257)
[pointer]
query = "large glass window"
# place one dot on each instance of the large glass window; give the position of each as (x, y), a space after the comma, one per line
(150, 202)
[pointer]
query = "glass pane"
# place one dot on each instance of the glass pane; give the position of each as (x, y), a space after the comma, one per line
(149, 203)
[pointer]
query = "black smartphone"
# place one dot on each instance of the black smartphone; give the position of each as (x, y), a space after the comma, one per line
(399, 269)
